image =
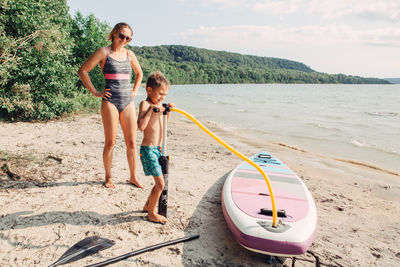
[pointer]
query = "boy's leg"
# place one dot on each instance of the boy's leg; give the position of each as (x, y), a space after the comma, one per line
(146, 206)
(109, 116)
(128, 125)
(153, 200)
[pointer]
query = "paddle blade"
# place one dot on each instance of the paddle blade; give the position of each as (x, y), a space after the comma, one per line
(84, 248)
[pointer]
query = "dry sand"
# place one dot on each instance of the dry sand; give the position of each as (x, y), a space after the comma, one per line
(58, 199)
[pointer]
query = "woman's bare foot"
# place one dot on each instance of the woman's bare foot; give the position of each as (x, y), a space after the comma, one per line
(136, 183)
(109, 183)
(157, 218)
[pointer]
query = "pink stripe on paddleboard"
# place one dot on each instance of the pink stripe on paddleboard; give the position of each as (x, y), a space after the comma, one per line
(247, 198)
(267, 194)
(251, 205)
(117, 76)
(256, 187)
(271, 173)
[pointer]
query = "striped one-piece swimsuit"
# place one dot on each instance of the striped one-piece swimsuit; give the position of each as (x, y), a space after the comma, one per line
(118, 77)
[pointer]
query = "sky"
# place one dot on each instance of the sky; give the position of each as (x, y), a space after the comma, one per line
(353, 37)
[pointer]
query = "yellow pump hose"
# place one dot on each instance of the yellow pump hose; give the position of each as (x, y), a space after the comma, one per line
(240, 155)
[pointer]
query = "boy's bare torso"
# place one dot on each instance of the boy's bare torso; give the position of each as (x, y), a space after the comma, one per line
(152, 134)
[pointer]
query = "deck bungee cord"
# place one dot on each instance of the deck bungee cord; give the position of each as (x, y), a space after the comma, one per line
(237, 153)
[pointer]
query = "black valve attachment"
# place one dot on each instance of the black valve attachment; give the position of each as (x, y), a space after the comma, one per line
(166, 109)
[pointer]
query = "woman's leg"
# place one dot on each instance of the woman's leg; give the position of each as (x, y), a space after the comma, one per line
(109, 115)
(128, 122)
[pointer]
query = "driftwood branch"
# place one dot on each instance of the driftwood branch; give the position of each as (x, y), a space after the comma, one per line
(22, 41)
(55, 158)
(6, 170)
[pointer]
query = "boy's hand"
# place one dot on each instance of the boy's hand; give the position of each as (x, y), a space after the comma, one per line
(156, 108)
(171, 105)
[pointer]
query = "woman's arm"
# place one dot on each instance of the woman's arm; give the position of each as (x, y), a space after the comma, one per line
(138, 72)
(86, 67)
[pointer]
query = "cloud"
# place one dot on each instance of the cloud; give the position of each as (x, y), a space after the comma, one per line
(388, 10)
(382, 37)
(279, 7)
(384, 10)
(220, 3)
(253, 36)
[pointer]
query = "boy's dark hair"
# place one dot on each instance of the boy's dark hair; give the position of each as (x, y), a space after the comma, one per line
(156, 79)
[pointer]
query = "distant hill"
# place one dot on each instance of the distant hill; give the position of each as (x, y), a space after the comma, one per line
(393, 80)
(191, 65)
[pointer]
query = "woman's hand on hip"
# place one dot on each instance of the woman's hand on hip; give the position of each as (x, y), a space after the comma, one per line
(105, 94)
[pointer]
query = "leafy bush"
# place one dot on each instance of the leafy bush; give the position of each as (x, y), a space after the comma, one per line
(89, 34)
(19, 105)
(36, 50)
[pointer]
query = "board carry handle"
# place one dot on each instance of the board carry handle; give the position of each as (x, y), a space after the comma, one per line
(264, 156)
(268, 212)
(240, 155)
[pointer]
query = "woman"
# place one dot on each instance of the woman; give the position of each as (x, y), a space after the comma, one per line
(117, 63)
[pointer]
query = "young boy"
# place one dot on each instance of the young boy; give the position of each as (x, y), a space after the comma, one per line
(151, 123)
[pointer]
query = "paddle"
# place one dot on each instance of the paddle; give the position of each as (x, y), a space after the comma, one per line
(84, 248)
(139, 251)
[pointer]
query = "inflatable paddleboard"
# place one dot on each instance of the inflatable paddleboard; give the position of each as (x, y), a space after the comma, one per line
(247, 208)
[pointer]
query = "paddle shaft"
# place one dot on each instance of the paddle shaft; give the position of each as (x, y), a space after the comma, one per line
(139, 251)
(164, 162)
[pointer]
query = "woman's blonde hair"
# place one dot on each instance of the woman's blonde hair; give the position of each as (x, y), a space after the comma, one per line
(117, 28)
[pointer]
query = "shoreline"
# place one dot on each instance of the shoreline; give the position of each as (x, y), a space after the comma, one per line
(59, 199)
(277, 141)
(242, 136)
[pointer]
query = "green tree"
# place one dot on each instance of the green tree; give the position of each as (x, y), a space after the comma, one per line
(36, 50)
(89, 34)
(185, 64)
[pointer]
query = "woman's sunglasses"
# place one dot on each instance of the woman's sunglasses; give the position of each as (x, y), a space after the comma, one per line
(124, 37)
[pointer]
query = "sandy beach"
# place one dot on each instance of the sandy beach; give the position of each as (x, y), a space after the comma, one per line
(51, 197)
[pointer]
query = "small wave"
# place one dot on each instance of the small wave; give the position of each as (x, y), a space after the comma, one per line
(334, 117)
(221, 103)
(328, 127)
(365, 144)
(360, 143)
(242, 110)
(382, 114)
(322, 126)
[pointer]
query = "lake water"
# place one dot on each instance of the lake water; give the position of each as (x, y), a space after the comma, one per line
(354, 122)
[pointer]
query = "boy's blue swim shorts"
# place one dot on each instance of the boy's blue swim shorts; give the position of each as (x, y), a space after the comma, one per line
(149, 156)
